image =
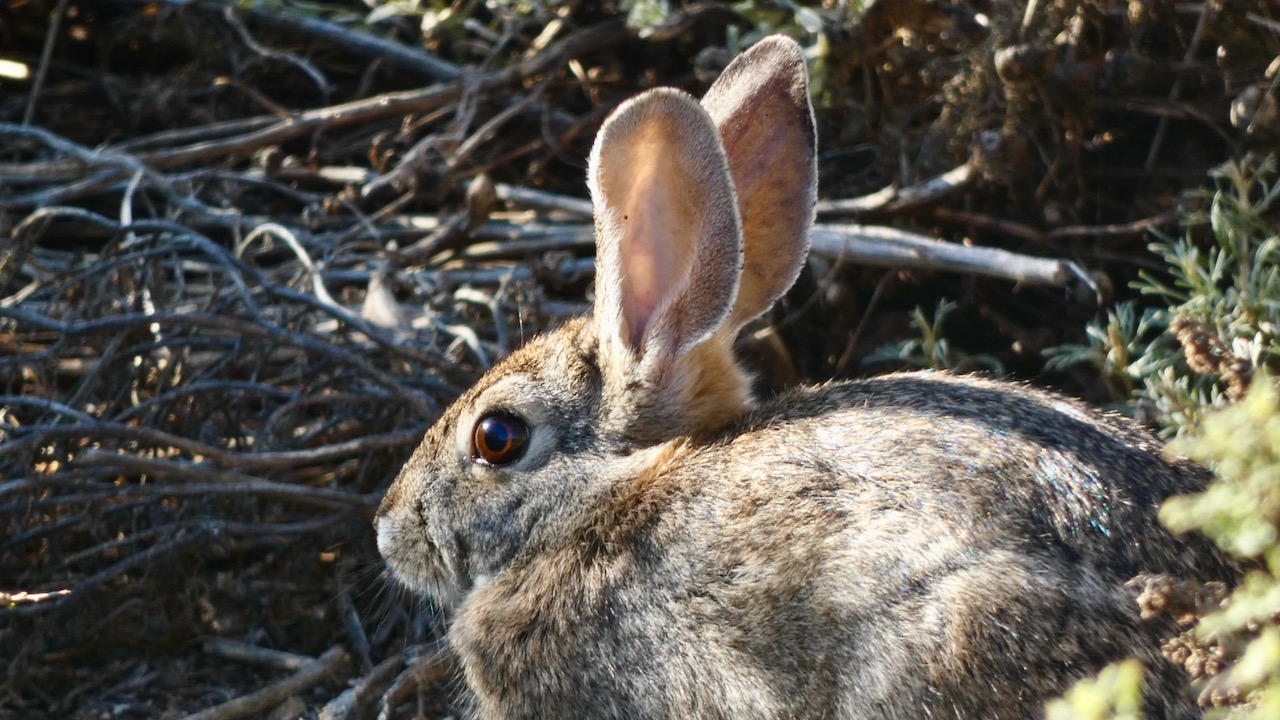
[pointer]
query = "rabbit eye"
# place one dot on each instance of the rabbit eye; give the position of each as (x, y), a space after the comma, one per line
(499, 439)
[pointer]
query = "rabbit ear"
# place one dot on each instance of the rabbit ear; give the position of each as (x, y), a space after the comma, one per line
(760, 105)
(669, 240)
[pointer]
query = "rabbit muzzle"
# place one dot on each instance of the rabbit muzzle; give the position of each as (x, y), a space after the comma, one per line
(419, 562)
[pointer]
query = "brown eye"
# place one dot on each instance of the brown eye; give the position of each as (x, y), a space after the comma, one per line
(499, 439)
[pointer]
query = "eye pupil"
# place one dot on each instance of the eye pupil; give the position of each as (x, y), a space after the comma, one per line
(499, 439)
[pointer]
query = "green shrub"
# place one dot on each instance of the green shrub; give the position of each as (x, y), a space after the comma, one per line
(931, 349)
(1222, 314)
(1116, 693)
(1195, 363)
(1241, 512)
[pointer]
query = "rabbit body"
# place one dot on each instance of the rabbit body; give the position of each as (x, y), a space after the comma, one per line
(661, 545)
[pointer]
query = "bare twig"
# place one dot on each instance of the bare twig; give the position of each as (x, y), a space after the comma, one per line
(891, 199)
(21, 597)
(389, 105)
(87, 586)
(363, 693)
(1176, 92)
(327, 667)
(221, 458)
(1129, 229)
(868, 244)
(322, 84)
(361, 44)
(46, 55)
(229, 649)
(435, 663)
(888, 247)
(541, 200)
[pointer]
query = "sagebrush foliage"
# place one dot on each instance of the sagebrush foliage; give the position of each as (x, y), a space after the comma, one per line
(1206, 366)
(1241, 512)
(1223, 309)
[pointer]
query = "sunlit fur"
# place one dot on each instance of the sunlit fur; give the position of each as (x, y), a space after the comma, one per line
(910, 546)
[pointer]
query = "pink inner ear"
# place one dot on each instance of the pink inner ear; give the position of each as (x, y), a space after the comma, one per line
(648, 257)
(639, 282)
(761, 108)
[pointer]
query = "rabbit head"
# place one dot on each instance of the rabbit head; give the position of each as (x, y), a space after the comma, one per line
(702, 213)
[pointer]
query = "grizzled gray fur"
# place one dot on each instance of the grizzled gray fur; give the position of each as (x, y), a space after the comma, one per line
(620, 530)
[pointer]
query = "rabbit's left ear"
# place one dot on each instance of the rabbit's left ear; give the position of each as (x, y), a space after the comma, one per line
(669, 255)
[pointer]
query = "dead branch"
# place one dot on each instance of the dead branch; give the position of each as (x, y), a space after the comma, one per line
(327, 668)
(229, 649)
(898, 200)
(390, 105)
(353, 701)
(888, 247)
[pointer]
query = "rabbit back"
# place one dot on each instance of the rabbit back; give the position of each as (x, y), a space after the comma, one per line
(918, 545)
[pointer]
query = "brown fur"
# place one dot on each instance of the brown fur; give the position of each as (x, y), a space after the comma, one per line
(911, 546)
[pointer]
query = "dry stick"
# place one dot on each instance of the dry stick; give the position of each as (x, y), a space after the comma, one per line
(216, 527)
(402, 177)
(16, 483)
(328, 666)
(22, 597)
(300, 494)
(1263, 22)
(485, 132)
(1175, 93)
(453, 231)
(46, 55)
(210, 131)
(889, 199)
(191, 472)
(363, 692)
(229, 15)
(568, 271)
(46, 404)
(355, 629)
(361, 44)
(229, 649)
(893, 199)
(987, 222)
(245, 144)
(356, 112)
(868, 244)
(126, 165)
(234, 325)
(70, 191)
(889, 247)
(437, 663)
(50, 527)
(542, 200)
(234, 267)
(223, 386)
(85, 587)
(280, 460)
(1137, 227)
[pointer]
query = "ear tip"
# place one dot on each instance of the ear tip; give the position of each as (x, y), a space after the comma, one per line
(669, 104)
(781, 44)
(781, 51)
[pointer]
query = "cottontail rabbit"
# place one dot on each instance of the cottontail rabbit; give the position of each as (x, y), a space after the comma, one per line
(622, 531)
